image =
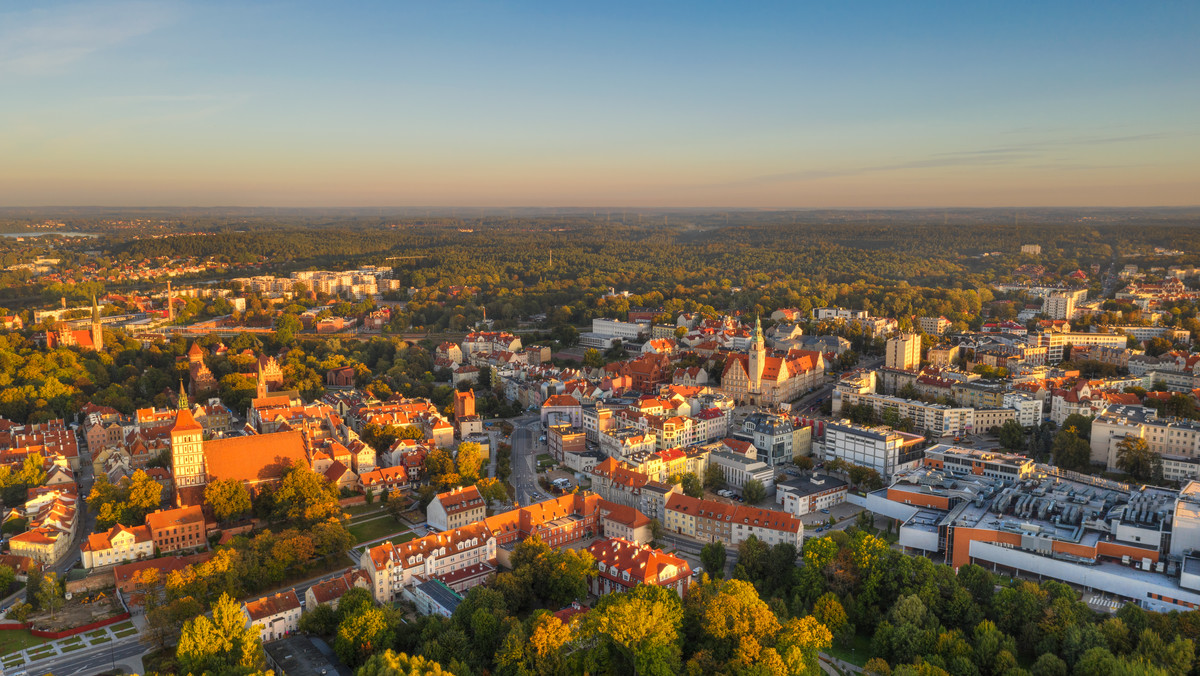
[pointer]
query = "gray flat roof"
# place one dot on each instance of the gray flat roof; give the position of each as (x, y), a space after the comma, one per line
(441, 594)
(809, 485)
(297, 656)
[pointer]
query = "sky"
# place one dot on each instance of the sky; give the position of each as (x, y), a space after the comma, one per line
(640, 104)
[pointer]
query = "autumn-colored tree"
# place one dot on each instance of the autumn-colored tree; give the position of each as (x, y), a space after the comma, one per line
(637, 632)
(228, 498)
(390, 663)
(223, 644)
(469, 461)
(305, 497)
(362, 634)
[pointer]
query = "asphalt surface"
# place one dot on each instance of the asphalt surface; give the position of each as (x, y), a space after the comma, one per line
(90, 660)
(524, 459)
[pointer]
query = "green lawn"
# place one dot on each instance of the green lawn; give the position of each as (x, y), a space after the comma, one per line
(72, 648)
(123, 626)
(403, 537)
(365, 509)
(370, 530)
(12, 641)
(126, 632)
(855, 651)
(98, 641)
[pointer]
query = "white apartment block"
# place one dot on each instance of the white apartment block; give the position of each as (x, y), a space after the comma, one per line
(1028, 408)
(904, 352)
(934, 326)
(937, 418)
(1176, 440)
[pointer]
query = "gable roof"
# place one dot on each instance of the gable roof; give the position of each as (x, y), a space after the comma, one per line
(261, 457)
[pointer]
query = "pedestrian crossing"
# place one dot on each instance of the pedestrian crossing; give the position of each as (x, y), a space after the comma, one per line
(1105, 604)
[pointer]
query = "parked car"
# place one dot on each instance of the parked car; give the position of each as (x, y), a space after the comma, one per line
(697, 570)
(825, 511)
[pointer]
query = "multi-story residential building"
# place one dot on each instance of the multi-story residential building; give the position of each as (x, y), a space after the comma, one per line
(979, 393)
(1175, 381)
(805, 495)
(275, 616)
(773, 436)
(944, 355)
(117, 545)
(939, 419)
(903, 352)
(393, 567)
(884, 450)
(329, 592)
(934, 326)
(835, 313)
(737, 469)
(563, 440)
(1061, 305)
(1028, 407)
(617, 482)
(627, 523)
(176, 529)
(489, 341)
(710, 521)
(1176, 441)
(627, 441)
(1032, 249)
(1054, 342)
(562, 408)
(623, 565)
(987, 419)
(597, 419)
(456, 508)
(974, 462)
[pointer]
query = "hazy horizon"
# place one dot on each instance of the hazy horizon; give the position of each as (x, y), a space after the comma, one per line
(690, 106)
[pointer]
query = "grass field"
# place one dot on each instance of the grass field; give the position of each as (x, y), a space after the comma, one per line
(403, 537)
(370, 530)
(359, 510)
(856, 651)
(12, 641)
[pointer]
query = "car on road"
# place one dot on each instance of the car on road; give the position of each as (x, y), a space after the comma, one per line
(697, 570)
(792, 472)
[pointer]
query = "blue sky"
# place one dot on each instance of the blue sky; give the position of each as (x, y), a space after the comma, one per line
(599, 104)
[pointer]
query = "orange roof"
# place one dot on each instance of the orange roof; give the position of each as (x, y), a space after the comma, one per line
(460, 499)
(644, 564)
(561, 400)
(179, 516)
(255, 458)
(270, 606)
(184, 422)
(330, 590)
(101, 541)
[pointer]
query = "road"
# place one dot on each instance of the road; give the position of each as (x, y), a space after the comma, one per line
(524, 459)
(89, 660)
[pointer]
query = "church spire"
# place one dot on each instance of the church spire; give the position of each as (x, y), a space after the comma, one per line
(97, 330)
(260, 390)
(183, 398)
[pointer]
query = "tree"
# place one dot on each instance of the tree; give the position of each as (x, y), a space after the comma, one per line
(50, 594)
(692, 486)
(361, 634)
(228, 498)
(1012, 435)
(828, 611)
(712, 556)
(730, 619)
(714, 479)
(492, 489)
(322, 620)
(1071, 451)
(469, 461)
(754, 492)
(800, 642)
(592, 358)
(305, 498)
(7, 577)
(286, 328)
(390, 663)
(638, 630)
(221, 645)
(1135, 458)
(547, 636)
(1081, 423)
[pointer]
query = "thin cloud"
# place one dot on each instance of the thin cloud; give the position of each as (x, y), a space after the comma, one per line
(46, 41)
(981, 157)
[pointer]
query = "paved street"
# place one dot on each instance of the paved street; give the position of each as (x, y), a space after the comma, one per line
(524, 459)
(91, 660)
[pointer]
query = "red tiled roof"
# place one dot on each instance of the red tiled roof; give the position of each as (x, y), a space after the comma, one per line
(184, 422)
(260, 457)
(273, 605)
(460, 499)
